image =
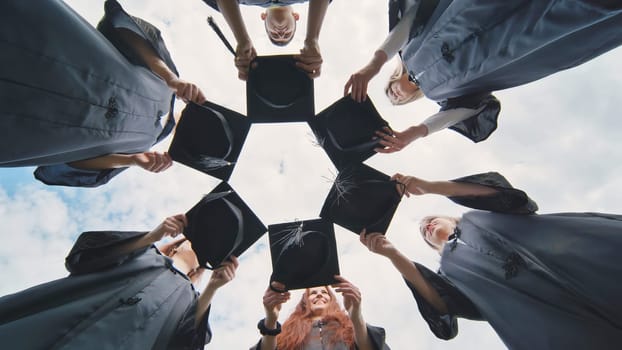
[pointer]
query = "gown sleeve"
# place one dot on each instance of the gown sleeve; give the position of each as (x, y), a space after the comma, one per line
(481, 124)
(66, 175)
(95, 251)
(507, 199)
(187, 336)
(378, 337)
(444, 326)
(114, 18)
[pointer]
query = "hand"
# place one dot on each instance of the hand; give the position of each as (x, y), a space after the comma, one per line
(359, 80)
(377, 243)
(244, 54)
(413, 184)
(351, 296)
(171, 226)
(394, 141)
(310, 59)
(186, 91)
(272, 301)
(152, 161)
(224, 274)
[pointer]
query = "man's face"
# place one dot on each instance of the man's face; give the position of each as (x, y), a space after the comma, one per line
(280, 23)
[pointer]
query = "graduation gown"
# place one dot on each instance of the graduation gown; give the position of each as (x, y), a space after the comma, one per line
(541, 281)
(460, 48)
(111, 300)
(69, 92)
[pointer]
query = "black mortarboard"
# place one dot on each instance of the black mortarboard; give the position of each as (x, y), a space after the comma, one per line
(304, 253)
(209, 138)
(221, 225)
(362, 198)
(346, 130)
(278, 92)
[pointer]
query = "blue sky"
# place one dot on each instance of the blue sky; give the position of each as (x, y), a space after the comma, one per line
(557, 139)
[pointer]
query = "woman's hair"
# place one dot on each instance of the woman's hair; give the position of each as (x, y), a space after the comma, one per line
(298, 325)
(395, 77)
(426, 220)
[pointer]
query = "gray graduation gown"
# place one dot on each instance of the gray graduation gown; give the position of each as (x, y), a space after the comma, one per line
(460, 48)
(541, 281)
(472, 46)
(69, 92)
(135, 300)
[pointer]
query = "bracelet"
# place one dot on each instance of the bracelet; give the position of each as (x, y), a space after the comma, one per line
(265, 331)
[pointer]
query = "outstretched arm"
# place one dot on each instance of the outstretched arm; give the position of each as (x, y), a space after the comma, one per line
(352, 302)
(150, 161)
(220, 276)
(397, 38)
(419, 186)
(394, 141)
(310, 58)
(272, 302)
(379, 244)
(184, 90)
(244, 52)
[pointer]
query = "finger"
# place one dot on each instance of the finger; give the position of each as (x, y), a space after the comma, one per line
(363, 236)
(316, 73)
(151, 162)
(346, 88)
(235, 261)
(157, 163)
(242, 75)
(385, 150)
(308, 67)
(200, 97)
(182, 218)
(168, 162)
(341, 279)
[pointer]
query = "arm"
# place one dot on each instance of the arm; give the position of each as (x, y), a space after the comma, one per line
(150, 161)
(219, 278)
(244, 52)
(310, 58)
(272, 302)
(419, 186)
(379, 244)
(352, 302)
(397, 38)
(96, 250)
(394, 141)
(183, 89)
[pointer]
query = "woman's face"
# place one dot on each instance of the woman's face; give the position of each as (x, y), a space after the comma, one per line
(438, 230)
(318, 299)
(184, 254)
(401, 89)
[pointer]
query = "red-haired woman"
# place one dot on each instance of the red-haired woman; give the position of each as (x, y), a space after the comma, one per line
(318, 322)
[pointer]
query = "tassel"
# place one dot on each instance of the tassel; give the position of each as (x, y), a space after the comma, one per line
(207, 163)
(293, 236)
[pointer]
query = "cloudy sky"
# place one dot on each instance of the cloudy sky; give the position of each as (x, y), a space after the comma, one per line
(558, 139)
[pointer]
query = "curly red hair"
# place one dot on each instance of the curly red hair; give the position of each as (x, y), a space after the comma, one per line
(299, 324)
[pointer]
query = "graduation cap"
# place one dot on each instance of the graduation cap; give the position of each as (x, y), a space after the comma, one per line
(362, 198)
(346, 130)
(209, 138)
(278, 92)
(304, 253)
(221, 225)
